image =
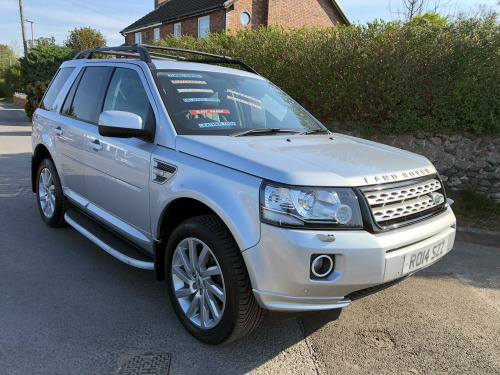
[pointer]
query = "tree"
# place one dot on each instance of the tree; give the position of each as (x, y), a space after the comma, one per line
(45, 41)
(84, 38)
(38, 68)
(411, 8)
(8, 58)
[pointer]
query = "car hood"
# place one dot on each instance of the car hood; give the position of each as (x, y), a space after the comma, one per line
(310, 160)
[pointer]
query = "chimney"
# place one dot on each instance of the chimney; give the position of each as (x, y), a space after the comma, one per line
(159, 2)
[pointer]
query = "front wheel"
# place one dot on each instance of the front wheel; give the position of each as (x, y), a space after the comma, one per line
(50, 198)
(208, 283)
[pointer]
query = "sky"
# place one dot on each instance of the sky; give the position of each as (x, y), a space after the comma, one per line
(58, 17)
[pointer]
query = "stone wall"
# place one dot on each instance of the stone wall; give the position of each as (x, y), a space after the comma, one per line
(464, 160)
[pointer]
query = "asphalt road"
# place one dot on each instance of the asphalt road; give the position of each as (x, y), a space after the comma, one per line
(66, 307)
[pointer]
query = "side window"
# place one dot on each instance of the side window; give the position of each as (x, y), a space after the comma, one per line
(55, 87)
(126, 93)
(82, 99)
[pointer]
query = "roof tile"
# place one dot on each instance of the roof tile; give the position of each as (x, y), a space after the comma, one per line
(174, 9)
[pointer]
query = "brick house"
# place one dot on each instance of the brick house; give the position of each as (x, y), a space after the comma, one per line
(196, 17)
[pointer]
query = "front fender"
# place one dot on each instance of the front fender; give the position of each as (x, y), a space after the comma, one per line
(232, 195)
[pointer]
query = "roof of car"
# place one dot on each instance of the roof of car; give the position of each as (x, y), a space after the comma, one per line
(165, 64)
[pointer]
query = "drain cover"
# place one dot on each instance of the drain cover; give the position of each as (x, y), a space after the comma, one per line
(147, 364)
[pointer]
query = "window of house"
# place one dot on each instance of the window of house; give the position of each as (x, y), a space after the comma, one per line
(156, 33)
(177, 30)
(138, 37)
(245, 18)
(203, 26)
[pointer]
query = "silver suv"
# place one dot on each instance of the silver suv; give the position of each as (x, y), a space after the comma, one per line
(228, 189)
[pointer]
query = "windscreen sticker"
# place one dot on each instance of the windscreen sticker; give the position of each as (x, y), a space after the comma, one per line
(243, 95)
(184, 82)
(208, 111)
(182, 75)
(216, 124)
(243, 101)
(192, 100)
(210, 91)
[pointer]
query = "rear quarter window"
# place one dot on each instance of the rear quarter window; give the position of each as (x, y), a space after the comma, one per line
(55, 88)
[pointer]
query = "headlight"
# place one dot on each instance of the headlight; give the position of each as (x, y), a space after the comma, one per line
(292, 206)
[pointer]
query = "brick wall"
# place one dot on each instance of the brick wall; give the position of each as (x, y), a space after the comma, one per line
(257, 10)
(298, 13)
(19, 100)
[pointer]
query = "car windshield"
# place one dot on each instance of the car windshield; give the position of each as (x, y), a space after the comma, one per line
(212, 103)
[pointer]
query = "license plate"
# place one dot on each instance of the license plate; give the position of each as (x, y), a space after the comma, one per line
(420, 258)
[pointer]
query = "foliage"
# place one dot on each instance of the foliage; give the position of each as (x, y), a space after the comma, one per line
(11, 82)
(428, 73)
(470, 202)
(7, 58)
(84, 38)
(410, 9)
(35, 94)
(40, 65)
(45, 41)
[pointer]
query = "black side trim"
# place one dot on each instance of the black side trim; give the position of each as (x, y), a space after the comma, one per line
(374, 289)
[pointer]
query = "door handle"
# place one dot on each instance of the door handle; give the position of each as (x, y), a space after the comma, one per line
(95, 145)
(58, 131)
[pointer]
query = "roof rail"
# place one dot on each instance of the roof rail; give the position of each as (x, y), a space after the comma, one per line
(142, 51)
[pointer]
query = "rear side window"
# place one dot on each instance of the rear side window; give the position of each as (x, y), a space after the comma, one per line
(55, 87)
(82, 102)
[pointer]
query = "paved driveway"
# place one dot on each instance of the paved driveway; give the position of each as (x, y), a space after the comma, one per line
(66, 307)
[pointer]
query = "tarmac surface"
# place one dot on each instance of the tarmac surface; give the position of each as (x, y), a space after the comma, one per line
(67, 307)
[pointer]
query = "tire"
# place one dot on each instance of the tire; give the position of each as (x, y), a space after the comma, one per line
(218, 284)
(51, 201)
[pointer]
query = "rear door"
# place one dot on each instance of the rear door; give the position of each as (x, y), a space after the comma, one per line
(118, 169)
(67, 139)
(77, 112)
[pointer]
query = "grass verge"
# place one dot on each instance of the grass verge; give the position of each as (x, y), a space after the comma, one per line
(475, 210)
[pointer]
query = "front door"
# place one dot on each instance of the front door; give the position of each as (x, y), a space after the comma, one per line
(118, 169)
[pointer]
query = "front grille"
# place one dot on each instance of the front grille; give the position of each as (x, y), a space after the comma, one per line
(400, 204)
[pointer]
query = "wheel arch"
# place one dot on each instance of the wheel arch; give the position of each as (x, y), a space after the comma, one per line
(177, 211)
(41, 152)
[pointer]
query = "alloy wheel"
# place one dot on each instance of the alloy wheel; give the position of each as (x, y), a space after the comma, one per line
(47, 193)
(198, 283)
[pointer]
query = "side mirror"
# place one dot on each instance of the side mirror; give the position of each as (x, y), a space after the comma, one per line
(120, 124)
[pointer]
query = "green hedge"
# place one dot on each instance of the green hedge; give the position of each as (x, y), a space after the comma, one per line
(37, 70)
(425, 74)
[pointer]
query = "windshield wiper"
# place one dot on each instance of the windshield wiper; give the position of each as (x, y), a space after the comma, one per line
(268, 131)
(315, 131)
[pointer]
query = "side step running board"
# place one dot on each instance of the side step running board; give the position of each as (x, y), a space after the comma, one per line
(108, 241)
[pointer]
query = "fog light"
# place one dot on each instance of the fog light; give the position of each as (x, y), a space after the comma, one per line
(322, 266)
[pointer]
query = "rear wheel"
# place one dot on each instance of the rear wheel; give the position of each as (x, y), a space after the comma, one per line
(208, 283)
(51, 201)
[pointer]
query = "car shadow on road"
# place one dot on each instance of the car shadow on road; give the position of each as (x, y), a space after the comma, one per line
(18, 134)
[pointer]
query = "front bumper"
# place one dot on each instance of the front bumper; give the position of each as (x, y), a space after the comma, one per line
(279, 265)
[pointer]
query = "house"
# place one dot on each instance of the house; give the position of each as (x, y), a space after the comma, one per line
(197, 17)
